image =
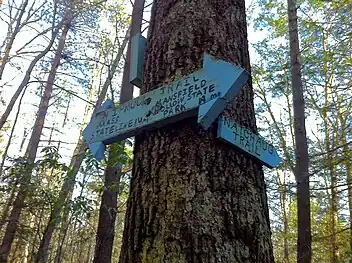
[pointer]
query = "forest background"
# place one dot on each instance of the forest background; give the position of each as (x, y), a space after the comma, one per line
(60, 59)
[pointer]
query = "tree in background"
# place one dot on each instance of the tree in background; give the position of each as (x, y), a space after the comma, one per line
(31, 151)
(116, 158)
(67, 183)
(304, 241)
(32, 16)
(70, 12)
(323, 42)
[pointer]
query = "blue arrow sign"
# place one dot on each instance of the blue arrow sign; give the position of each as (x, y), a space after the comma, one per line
(229, 80)
(199, 93)
(248, 141)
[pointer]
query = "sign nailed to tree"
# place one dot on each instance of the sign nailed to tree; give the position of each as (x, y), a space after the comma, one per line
(204, 92)
(247, 141)
(147, 109)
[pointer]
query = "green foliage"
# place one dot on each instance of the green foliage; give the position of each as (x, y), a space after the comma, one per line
(324, 28)
(92, 42)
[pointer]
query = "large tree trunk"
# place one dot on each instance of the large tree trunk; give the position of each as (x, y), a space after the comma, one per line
(192, 197)
(32, 147)
(304, 242)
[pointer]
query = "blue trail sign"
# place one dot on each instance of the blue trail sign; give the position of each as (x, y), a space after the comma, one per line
(138, 45)
(204, 92)
(247, 141)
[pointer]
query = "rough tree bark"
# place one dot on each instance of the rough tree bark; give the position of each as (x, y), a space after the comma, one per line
(32, 147)
(304, 242)
(192, 197)
(108, 208)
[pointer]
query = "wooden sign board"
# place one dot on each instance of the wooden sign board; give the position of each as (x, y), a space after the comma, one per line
(204, 92)
(249, 142)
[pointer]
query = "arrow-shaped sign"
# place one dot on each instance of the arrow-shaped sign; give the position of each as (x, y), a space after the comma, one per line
(210, 88)
(98, 148)
(252, 143)
(229, 80)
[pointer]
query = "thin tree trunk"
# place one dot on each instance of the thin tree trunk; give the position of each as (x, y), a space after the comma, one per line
(333, 184)
(8, 206)
(136, 24)
(283, 193)
(304, 242)
(25, 133)
(26, 79)
(4, 156)
(286, 233)
(329, 145)
(333, 215)
(14, 252)
(78, 153)
(28, 251)
(108, 208)
(41, 255)
(348, 165)
(72, 248)
(9, 44)
(62, 236)
(88, 255)
(32, 148)
(36, 236)
(75, 228)
(192, 197)
(76, 162)
(13, 191)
